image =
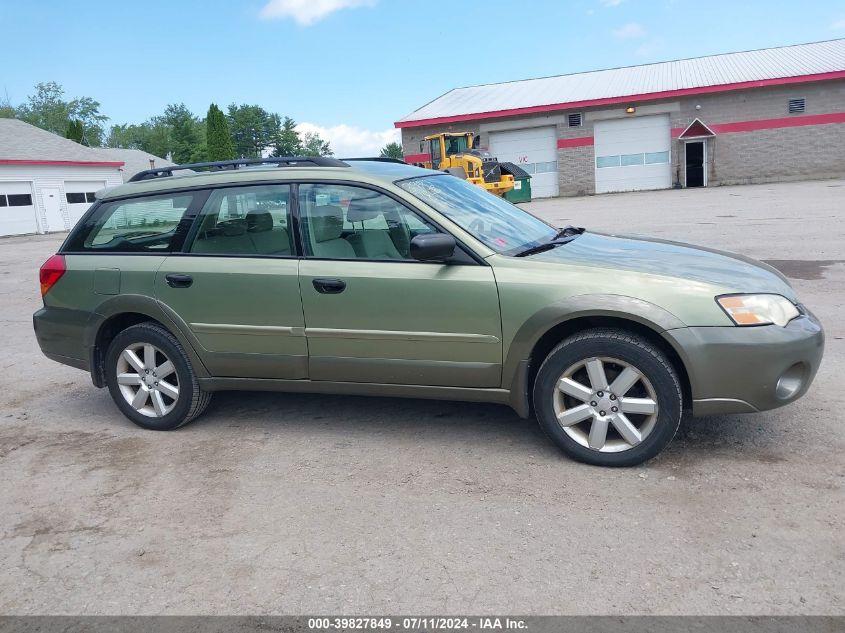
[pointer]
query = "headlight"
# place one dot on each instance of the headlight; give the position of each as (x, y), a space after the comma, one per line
(758, 309)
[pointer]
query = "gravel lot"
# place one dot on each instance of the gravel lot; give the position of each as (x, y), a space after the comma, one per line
(275, 503)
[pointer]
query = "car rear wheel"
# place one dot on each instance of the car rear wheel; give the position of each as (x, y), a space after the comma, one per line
(151, 379)
(608, 397)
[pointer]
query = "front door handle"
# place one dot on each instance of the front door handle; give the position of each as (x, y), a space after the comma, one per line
(179, 280)
(328, 286)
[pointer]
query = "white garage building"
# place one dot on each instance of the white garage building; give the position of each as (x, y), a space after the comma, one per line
(47, 182)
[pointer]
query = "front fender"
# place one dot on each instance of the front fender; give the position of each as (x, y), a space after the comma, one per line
(580, 306)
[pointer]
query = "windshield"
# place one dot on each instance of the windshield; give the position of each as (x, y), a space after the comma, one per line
(497, 223)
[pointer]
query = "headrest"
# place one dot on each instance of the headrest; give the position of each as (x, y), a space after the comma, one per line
(326, 223)
(234, 227)
(361, 209)
(259, 221)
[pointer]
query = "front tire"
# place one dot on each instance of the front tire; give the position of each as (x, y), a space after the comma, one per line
(608, 397)
(151, 379)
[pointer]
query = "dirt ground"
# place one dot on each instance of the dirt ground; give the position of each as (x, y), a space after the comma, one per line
(294, 504)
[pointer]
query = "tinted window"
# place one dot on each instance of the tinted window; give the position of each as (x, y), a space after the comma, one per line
(502, 226)
(19, 200)
(248, 221)
(90, 197)
(2, 201)
(135, 225)
(343, 222)
(75, 198)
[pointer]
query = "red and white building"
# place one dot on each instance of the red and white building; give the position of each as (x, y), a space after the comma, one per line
(47, 182)
(755, 116)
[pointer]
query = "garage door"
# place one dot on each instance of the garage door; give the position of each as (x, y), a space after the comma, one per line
(533, 149)
(17, 213)
(633, 154)
(80, 195)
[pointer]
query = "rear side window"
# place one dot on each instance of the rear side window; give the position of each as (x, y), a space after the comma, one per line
(137, 225)
(251, 221)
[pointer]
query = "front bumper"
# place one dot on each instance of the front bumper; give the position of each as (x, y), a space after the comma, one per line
(747, 369)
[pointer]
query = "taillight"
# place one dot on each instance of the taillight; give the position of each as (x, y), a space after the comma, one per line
(51, 272)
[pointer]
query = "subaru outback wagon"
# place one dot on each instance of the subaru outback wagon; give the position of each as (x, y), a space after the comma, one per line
(379, 278)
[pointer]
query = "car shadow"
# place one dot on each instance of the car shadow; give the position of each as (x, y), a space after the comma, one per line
(424, 420)
(742, 437)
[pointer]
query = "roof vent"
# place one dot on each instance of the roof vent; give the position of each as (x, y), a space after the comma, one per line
(796, 106)
(575, 120)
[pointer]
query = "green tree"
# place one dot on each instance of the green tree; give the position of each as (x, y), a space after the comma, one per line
(313, 145)
(75, 131)
(253, 129)
(286, 140)
(219, 140)
(7, 110)
(49, 110)
(186, 131)
(392, 150)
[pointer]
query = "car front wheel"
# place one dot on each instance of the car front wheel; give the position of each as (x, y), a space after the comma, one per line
(608, 397)
(151, 379)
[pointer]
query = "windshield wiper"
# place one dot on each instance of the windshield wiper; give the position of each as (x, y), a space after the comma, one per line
(564, 236)
(569, 231)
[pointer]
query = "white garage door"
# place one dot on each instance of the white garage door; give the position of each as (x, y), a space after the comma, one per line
(17, 213)
(633, 154)
(80, 195)
(533, 149)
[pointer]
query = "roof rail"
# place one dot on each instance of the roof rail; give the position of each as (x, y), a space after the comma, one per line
(378, 159)
(221, 165)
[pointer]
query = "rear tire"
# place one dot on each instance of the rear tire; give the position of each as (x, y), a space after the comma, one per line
(151, 379)
(608, 397)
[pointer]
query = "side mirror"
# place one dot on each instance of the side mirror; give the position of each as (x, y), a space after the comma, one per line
(433, 247)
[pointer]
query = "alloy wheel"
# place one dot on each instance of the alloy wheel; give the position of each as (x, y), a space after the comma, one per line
(147, 380)
(605, 404)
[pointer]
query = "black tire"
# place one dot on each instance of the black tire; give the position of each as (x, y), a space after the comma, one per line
(629, 348)
(192, 400)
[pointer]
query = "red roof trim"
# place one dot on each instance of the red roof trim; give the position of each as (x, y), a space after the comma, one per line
(67, 163)
(665, 94)
(581, 141)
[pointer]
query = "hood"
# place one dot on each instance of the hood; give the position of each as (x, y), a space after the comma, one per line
(670, 259)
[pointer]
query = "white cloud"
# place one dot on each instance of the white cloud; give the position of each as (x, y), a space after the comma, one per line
(838, 25)
(611, 3)
(350, 141)
(307, 12)
(630, 31)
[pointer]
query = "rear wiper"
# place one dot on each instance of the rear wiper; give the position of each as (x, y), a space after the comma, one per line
(564, 236)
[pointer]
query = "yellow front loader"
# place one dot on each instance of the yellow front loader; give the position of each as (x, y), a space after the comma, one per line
(455, 153)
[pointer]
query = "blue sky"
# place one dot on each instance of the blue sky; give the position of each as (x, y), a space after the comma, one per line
(350, 68)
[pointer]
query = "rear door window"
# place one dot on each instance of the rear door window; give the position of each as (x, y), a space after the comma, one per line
(251, 221)
(137, 225)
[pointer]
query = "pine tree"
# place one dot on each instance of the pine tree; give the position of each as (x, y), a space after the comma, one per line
(75, 131)
(220, 146)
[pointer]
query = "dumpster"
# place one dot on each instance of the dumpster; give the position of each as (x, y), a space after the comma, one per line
(521, 191)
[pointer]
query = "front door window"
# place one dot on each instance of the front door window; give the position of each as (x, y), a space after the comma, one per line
(347, 222)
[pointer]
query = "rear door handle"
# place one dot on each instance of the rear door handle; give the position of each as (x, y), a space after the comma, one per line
(179, 280)
(328, 286)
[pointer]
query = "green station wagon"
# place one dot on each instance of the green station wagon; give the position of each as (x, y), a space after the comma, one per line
(371, 277)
